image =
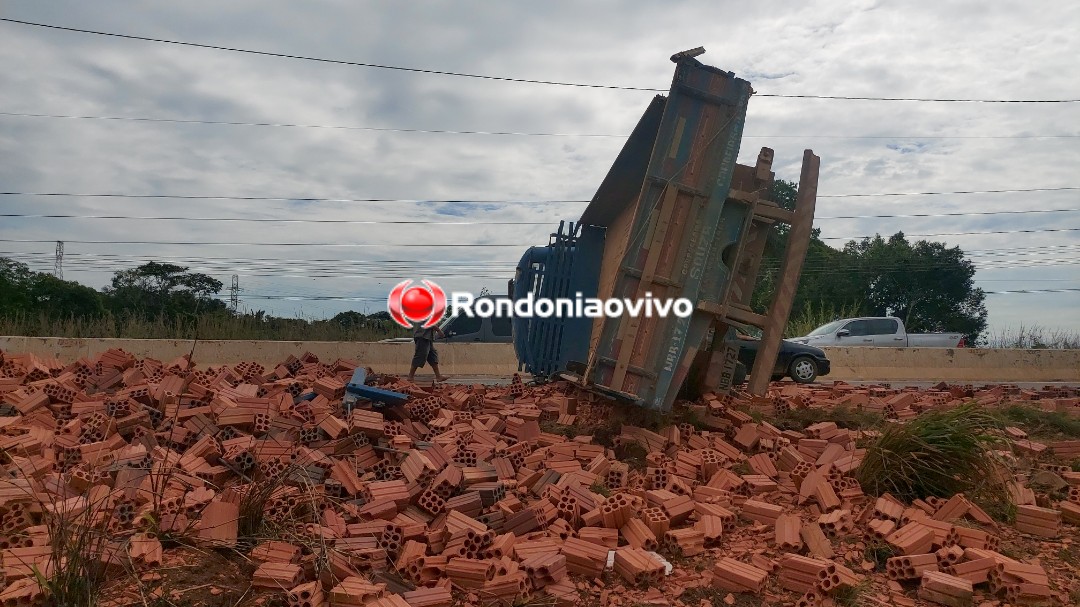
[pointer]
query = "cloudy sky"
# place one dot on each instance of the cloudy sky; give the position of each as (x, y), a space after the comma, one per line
(365, 133)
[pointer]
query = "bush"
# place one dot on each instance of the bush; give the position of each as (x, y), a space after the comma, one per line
(939, 453)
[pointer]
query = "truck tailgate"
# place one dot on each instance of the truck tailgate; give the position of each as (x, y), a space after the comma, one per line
(674, 244)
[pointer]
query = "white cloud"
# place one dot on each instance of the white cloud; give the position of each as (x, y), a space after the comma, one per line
(922, 49)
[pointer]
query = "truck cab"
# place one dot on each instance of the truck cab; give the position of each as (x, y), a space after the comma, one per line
(462, 328)
(880, 332)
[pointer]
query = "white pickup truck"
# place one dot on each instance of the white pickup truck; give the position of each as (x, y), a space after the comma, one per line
(881, 331)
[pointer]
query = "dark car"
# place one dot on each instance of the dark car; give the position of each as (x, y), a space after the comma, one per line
(800, 362)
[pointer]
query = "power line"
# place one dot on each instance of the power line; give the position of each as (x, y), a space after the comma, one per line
(932, 267)
(975, 255)
(957, 214)
(349, 298)
(468, 223)
(88, 258)
(1029, 250)
(948, 193)
(958, 233)
(331, 61)
(193, 259)
(505, 133)
(1026, 291)
(500, 78)
(462, 244)
(272, 220)
(322, 126)
(307, 271)
(95, 254)
(278, 244)
(478, 201)
(286, 198)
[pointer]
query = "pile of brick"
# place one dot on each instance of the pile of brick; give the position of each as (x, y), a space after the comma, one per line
(463, 494)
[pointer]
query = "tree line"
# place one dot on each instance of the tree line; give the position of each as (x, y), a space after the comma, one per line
(158, 300)
(928, 285)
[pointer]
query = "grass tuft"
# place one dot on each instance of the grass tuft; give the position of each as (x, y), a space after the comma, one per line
(851, 596)
(939, 453)
(83, 554)
(633, 455)
(1037, 422)
(877, 552)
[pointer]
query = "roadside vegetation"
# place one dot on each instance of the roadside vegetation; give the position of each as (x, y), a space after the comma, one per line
(939, 453)
(929, 285)
(813, 315)
(1034, 337)
(347, 326)
(1039, 423)
(158, 301)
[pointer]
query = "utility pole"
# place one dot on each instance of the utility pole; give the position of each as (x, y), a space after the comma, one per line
(234, 293)
(58, 266)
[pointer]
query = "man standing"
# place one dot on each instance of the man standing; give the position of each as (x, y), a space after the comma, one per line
(424, 339)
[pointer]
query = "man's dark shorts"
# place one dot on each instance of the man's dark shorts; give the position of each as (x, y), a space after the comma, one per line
(425, 351)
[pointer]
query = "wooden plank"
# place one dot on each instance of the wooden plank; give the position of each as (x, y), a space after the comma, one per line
(657, 232)
(790, 270)
(771, 211)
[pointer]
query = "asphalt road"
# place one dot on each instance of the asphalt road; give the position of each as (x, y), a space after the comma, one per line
(501, 380)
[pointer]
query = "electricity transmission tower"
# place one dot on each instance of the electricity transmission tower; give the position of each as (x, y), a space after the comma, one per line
(58, 266)
(234, 293)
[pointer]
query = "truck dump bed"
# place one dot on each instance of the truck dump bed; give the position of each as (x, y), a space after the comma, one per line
(670, 225)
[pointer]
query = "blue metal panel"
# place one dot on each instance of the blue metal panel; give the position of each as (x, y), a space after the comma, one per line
(357, 389)
(567, 268)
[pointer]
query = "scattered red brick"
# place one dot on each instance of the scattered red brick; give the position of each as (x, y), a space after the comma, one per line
(466, 496)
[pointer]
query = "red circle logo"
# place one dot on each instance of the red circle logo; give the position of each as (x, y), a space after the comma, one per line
(420, 304)
(417, 304)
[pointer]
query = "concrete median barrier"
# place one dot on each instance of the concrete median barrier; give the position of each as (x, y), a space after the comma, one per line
(455, 358)
(898, 364)
(954, 364)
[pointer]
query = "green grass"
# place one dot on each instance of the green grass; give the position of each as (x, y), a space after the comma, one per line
(633, 455)
(811, 317)
(211, 326)
(552, 427)
(1037, 422)
(939, 453)
(851, 596)
(1032, 337)
(878, 552)
(1070, 555)
(75, 538)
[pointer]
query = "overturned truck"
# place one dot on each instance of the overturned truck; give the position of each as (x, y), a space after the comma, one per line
(675, 217)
